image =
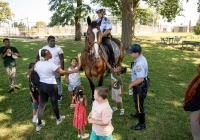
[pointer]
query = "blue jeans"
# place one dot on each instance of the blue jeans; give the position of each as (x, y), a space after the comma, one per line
(59, 84)
(93, 136)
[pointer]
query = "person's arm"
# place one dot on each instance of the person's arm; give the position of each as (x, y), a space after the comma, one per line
(4, 55)
(136, 83)
(79, 61)
(34, 100)
(105, 33)
(67, 79)
(98, 122)
(61, 71)
(61, 56)
(121, 89)
(85, 100)
(17, 54)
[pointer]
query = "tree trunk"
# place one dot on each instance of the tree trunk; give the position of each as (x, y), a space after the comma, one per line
(77, 29)
(127, 23)
(134, 17)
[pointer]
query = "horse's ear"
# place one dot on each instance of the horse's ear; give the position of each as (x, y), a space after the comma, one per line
(88, 20)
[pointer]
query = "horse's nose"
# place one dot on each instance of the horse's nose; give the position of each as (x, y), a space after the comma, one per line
(97, 56)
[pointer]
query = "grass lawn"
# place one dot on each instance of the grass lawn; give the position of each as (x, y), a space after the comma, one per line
(170, 71)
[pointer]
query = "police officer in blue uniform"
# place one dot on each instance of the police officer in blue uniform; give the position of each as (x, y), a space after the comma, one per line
(139, 84)
(106, 27)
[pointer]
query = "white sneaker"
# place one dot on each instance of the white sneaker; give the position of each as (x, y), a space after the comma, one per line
(114, 109)
(38, 127)
(121, 111)
(34, 120)
(85, 136)
(60, 120)
(79, 135)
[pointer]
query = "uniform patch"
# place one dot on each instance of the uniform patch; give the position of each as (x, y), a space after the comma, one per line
(109, 22)
(138, 68)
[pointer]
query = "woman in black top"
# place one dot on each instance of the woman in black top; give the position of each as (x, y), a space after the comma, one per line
(192, 104)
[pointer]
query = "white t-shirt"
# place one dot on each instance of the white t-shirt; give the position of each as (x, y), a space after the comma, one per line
(45, 70)
(74, 78)
(55, 51)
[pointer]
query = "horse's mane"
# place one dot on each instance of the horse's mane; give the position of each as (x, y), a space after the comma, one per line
(94, 24)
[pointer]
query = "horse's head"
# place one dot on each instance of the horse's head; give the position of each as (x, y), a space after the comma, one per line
(93, 38)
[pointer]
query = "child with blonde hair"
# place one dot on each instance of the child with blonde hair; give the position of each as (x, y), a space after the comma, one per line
(79, 101)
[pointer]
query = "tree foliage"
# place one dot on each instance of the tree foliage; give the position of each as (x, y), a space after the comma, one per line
(65, 11)
(197, 28)
(18, 25)
(5, 12)
(168, 9)
(69, 12)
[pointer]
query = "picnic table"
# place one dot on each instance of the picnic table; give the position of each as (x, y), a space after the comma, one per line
(193, 43)
(170, 39)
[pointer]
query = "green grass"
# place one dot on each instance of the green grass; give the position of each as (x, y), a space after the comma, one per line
(170, 71)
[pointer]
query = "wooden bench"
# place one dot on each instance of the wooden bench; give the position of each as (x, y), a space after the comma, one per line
(193, 43)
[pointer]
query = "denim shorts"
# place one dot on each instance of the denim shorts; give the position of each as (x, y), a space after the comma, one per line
(35, 105)
(93, 136)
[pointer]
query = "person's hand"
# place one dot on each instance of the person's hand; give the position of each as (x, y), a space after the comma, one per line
(79, 55)
(90, 120)
(121, 94)
(34, 101)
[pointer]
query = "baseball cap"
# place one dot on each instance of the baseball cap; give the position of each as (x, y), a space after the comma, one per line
(134, 48)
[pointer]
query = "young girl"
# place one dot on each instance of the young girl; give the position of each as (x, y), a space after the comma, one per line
(79, 101)
(34, 95)
(73, 80)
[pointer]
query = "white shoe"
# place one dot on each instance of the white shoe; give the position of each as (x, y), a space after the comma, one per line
(38, 127)
(114, 109)
(121, 111)
(34, 120)
(79, 135)
(85, 136)
(60, 120)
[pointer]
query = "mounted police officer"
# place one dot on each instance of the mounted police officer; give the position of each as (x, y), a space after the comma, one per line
(139, 84)
(106, 27)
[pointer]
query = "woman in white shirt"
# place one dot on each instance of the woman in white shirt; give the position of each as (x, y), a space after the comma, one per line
(48, 86)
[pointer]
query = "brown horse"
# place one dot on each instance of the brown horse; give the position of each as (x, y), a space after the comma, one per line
(92, 62)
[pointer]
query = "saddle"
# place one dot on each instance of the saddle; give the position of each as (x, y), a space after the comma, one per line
(106, 50)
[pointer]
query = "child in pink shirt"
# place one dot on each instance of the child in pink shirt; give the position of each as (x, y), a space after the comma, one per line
(101, 116)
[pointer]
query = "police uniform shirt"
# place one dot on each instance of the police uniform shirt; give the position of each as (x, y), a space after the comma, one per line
(105, 24)
(139, 68)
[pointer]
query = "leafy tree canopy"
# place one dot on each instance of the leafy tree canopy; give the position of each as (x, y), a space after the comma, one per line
(168, 9)
(197, 28)
(5, 12)
(65, 11)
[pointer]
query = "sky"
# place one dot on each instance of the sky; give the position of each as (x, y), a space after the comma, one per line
(38, 10)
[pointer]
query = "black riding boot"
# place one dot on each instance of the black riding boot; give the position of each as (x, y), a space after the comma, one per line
(141, 125)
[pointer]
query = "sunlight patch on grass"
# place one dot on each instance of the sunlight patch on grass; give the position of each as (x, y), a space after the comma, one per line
(25, 59)
(175, 103)
(2, 98)
(151, 94)
(9, 111)
(3, 116)
(117, 137)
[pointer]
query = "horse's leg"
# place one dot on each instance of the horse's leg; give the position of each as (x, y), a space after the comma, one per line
(90, 79)
(100, 79)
